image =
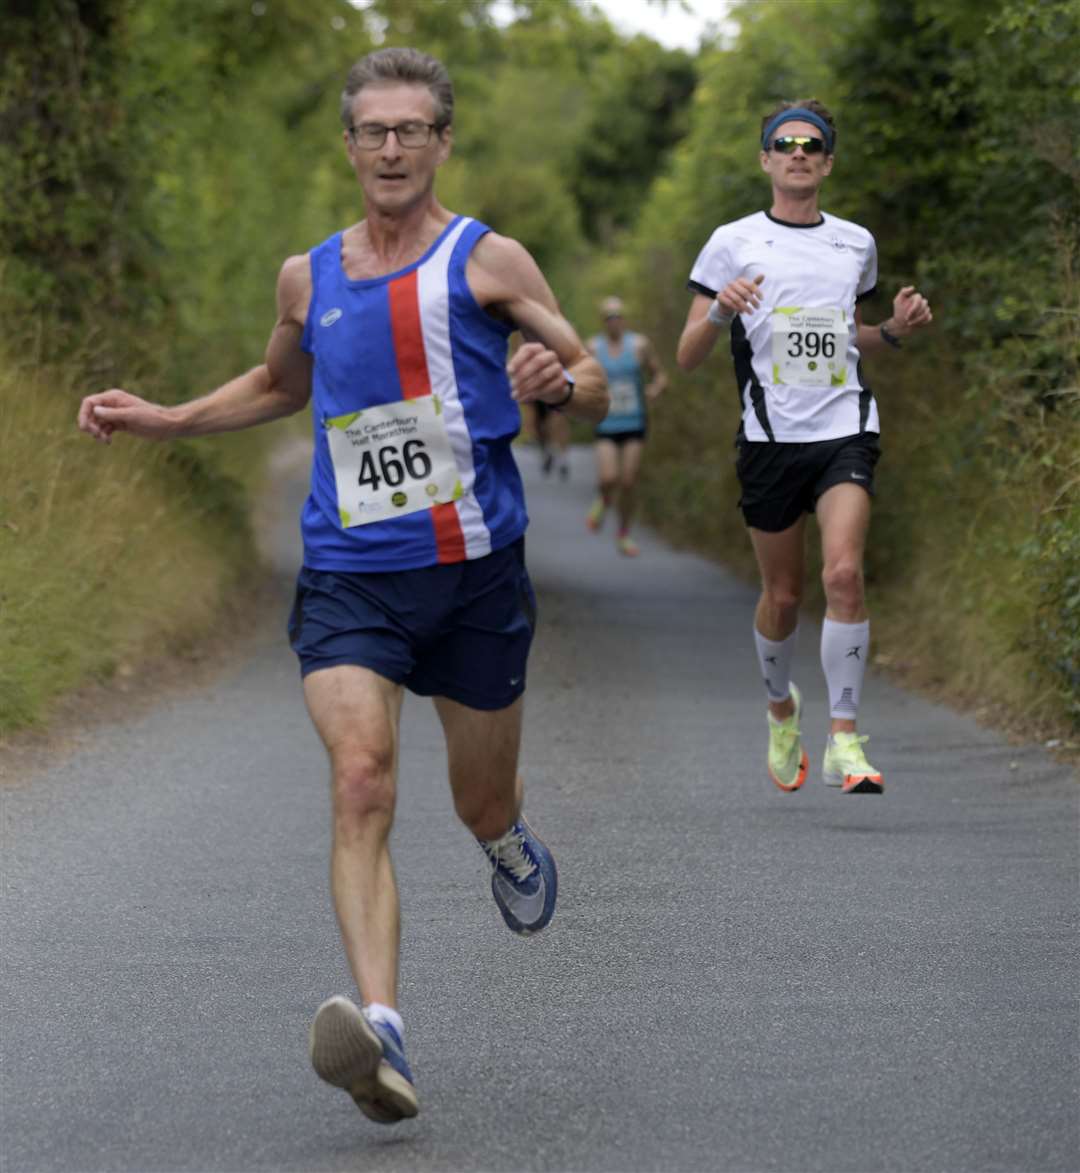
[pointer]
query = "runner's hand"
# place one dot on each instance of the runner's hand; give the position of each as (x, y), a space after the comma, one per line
(910, 312)
(118, 411)
(536, 373)
(741, 296)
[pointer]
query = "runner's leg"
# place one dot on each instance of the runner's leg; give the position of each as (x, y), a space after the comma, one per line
(631, 452)
(357, 713)
(781, 560)
(843, 514)
(607, 481)
(560, 437)
(482, 747)
(844, 518)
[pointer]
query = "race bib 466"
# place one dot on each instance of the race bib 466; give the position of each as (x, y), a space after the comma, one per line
(391, 460)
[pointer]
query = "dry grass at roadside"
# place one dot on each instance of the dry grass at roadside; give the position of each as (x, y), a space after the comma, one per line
(107, 554)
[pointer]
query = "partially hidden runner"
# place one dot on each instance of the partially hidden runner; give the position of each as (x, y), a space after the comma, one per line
(789, 282)
(552, 430)
(414, 576)
(635, 378)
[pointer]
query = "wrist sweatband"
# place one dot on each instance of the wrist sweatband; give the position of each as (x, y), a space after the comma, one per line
(717, 316)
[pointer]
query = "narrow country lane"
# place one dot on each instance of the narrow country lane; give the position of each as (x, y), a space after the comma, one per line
(736, 978)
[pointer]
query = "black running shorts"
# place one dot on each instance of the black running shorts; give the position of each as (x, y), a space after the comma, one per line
(781, 482)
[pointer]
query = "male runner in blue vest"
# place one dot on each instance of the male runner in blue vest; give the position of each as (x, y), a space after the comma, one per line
(788, 282)
(396, 332)
(635, 377)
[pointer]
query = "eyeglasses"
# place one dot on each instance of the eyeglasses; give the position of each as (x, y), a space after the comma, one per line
(412, 135)
(788, 143)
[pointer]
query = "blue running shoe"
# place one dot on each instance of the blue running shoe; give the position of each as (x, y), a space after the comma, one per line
(524, 881)
(365, 1058)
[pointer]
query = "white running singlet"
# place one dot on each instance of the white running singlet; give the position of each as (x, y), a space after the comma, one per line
(796, 358)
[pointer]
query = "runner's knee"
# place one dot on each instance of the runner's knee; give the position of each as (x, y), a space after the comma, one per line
(783, 598)
(843, 583)
(363, 787)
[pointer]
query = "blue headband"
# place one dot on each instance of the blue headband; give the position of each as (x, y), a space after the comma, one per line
(798, 114)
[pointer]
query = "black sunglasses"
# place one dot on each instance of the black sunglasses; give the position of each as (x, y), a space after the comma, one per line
(787, 144)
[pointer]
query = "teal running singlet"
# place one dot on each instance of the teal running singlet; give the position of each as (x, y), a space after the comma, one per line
(626, 385)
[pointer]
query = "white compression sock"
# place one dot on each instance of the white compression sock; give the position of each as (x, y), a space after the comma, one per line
(774, 657)
(377, 1012)
(844, 650)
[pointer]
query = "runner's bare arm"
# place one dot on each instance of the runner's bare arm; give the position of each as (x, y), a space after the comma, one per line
(650, 361)
(700, 333)
(280, 386)
(506, 280)
(911, 311)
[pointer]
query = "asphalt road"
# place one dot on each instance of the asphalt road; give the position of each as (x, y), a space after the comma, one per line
(735, 979)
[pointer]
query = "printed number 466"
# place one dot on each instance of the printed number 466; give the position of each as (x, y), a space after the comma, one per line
(391, 465)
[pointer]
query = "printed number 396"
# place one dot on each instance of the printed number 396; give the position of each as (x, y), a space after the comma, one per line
(811, 345)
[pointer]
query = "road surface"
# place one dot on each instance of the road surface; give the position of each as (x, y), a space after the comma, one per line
(735, 978)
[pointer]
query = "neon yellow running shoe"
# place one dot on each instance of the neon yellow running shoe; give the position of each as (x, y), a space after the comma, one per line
(594, 519)
(787, 758)
(845, 765)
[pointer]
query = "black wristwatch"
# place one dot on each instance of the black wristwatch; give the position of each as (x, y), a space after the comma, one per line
(571, 383)
(889, 337)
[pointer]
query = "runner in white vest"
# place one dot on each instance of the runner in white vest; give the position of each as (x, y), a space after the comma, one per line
(788, 283)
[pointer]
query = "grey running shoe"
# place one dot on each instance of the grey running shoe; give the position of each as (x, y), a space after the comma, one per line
(364, 1058)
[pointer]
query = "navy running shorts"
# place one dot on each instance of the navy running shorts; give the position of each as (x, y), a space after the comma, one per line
(781, 482)
(461, 630)
(620, 438)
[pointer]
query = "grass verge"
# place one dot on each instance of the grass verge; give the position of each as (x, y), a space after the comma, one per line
(108, 555)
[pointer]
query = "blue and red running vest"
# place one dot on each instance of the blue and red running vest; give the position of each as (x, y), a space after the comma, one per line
(415, 332)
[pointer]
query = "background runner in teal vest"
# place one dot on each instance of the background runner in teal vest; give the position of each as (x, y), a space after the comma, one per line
(628, 360)
(618, 356)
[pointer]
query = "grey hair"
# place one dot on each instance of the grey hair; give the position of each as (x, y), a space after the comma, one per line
(407, 66)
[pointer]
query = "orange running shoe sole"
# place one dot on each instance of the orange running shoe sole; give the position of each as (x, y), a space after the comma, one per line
(800, 777)
(862, 784)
